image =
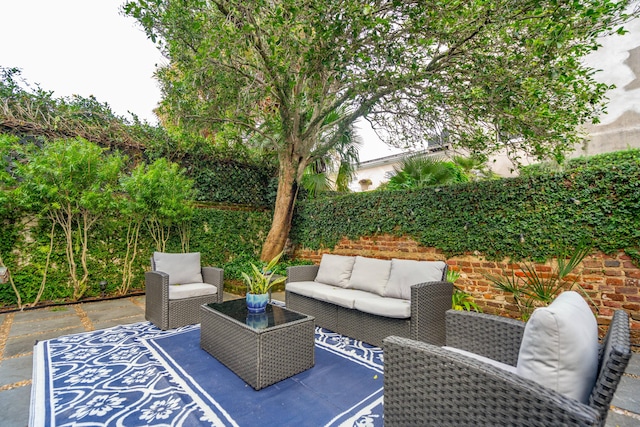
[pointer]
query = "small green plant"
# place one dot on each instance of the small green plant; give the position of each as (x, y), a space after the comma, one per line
(531, 289)
(261, 280)
(452, 275)
(461, 300)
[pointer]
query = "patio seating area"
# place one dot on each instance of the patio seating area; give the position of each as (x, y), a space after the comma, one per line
(20, 330)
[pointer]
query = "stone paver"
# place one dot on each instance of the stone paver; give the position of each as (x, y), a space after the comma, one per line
(121, 312)
(633, 368)
(15, 370)
(69, 320)
(43, 313)
(620, 420)
(110, 323)
(627, 394)
(115, 304)
(24, 343)
(13, 410)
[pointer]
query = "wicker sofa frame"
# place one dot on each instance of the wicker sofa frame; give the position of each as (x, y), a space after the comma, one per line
(429, 385)
(168, 313)
(429, 302)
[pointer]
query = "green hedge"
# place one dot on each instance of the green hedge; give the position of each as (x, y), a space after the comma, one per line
(599, 160)
(533, 217)
(222, 180)
(226, 238)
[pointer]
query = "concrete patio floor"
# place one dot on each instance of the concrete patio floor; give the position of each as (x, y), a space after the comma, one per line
(20, 330)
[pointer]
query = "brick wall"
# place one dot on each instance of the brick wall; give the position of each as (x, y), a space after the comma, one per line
(612, 282)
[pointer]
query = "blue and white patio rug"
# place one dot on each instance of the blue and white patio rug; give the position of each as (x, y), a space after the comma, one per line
(136, 375)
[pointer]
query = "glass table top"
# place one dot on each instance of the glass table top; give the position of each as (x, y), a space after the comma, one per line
(273, 315)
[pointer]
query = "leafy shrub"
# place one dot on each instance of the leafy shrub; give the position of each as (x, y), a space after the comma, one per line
(532, 217)
(530, 289)
(599, 160)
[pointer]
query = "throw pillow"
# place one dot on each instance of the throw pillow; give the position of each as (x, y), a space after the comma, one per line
(406, 273)
(181, 268)
(370, 274)
(560, 347)
(335, 270)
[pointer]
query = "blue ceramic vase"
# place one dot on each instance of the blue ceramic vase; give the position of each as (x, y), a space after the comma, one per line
(256, 303)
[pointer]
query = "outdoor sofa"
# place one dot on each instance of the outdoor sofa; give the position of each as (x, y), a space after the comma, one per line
(551, 371)
(369, 299)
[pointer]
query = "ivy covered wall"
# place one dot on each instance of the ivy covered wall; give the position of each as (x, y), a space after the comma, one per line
(224, 238)
(532, 217)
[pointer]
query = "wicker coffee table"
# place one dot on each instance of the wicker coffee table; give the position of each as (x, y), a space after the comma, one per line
(261, 349)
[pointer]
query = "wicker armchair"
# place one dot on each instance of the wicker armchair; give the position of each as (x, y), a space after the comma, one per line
(430, 385)
(170, 305)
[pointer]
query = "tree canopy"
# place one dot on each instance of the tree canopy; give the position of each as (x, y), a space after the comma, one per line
(483, 75)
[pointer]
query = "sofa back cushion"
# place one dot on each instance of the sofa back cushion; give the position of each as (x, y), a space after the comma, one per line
(181, 268)
(560, 347)
(335, 270)
(406, 273)
(370, 274)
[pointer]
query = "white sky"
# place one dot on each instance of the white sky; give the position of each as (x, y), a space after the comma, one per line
(86, 47)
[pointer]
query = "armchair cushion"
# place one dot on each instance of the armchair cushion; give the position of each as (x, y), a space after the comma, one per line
(190, 290)
(406, 273)
(560, 347)
(181, 268)
(335, 270)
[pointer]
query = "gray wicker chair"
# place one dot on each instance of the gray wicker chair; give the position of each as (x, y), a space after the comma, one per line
(429, 385)
(167, 313)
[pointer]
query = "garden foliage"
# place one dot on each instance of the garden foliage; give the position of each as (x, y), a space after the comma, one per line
(532, 217)
(599, 160)
(72, 215)
(486, 76)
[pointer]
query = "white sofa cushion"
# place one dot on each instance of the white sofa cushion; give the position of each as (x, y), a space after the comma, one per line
(406, 273)
(370, 274)
(384, 306)
(304, 288)
(190, 290)
(327, 293)
(560, 347)
(181, 268)
(342, 297)
(335, 270)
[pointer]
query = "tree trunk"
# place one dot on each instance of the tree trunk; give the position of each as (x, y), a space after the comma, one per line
(283, 210)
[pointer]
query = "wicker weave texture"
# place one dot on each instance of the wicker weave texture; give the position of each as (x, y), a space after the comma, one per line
(302, 273)
(260, 357)
(497, 338)
(428, 385)
(326, 315)
(429, 303)
(170, 314)
(157, 299)
(615, 353)
(186, 311)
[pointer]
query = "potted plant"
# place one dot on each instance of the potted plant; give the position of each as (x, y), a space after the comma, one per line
(259, 283)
